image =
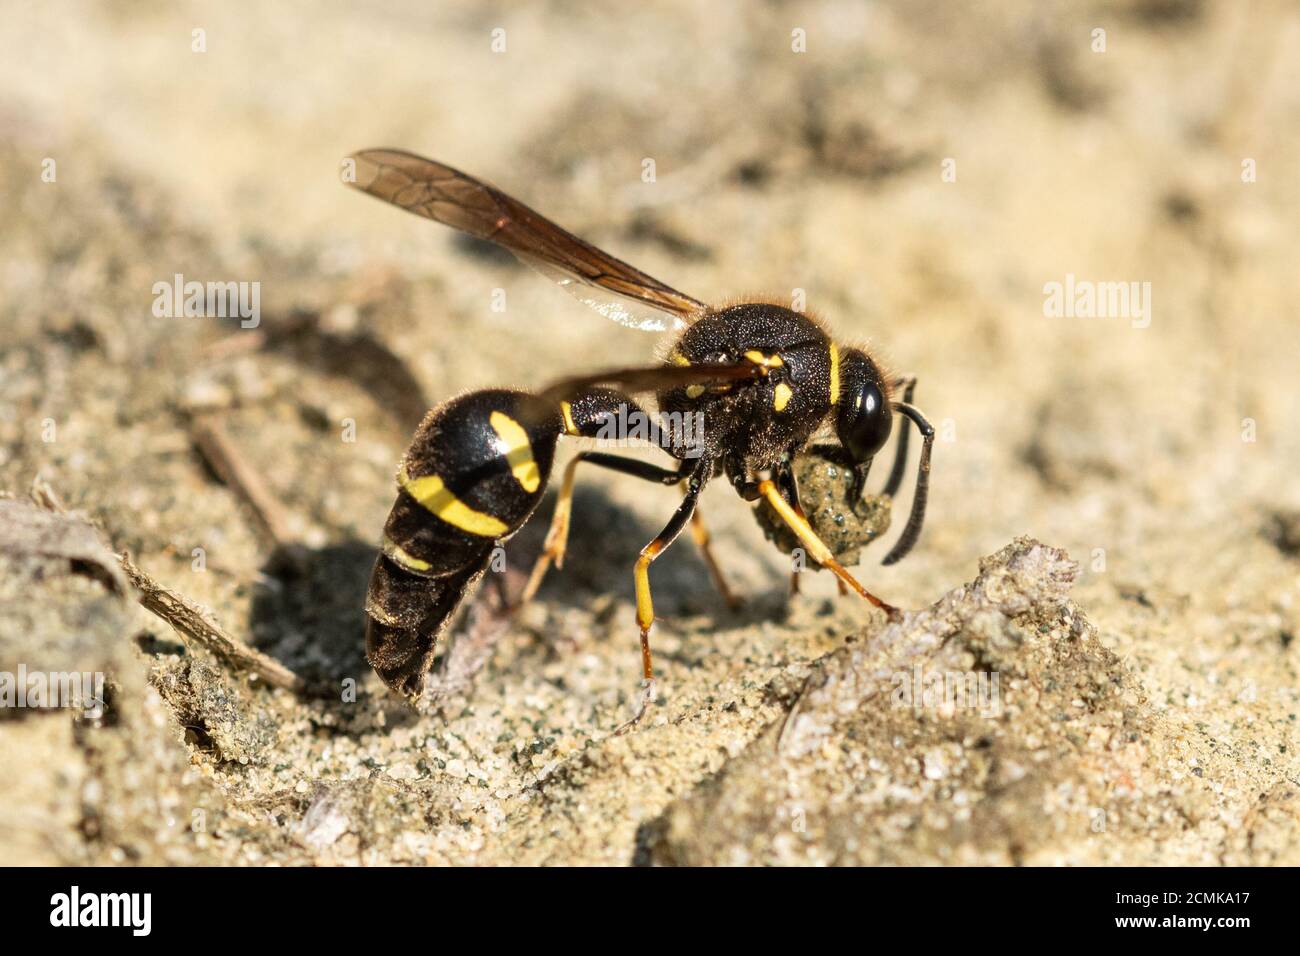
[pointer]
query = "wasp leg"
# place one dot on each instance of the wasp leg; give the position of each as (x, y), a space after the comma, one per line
(790, 488)
(703, 542)
(817, 550)
(558, 535)
(645, 611)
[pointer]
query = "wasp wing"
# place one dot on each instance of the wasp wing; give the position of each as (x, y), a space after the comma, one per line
(650, 378)
(609, 285)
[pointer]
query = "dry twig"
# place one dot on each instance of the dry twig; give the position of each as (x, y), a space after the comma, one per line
(183, 615)
(220, 453)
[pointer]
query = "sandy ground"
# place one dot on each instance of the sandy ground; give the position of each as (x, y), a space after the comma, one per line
(921, 171)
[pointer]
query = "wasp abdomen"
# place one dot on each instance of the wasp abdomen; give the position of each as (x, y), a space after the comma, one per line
(472, 476)
(405, 614)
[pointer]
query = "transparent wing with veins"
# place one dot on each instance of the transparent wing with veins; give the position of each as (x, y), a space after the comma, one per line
(613, 288)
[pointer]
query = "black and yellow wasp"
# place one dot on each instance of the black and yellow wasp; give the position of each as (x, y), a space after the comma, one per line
(759, 379)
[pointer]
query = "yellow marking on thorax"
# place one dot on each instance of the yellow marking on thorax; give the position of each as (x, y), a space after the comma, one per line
(401, 557)
(567, 411)
(514, 444)
(677, 358)
(835, 374)
(436, 497)
(694, 391)
(766, 361)
(781, 397)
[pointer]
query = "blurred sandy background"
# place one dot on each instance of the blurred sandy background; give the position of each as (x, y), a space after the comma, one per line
(1161, 458)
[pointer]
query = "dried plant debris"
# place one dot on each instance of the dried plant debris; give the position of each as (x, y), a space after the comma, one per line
(183, 615)
(103, 770)
(63, 605)
(196, 623)
(31, 537)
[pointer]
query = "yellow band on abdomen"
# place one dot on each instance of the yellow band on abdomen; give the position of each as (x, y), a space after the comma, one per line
(436, 497)
(401, 557)
(513, 443)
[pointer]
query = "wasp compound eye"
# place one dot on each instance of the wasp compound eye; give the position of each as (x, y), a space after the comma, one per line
(865, 421)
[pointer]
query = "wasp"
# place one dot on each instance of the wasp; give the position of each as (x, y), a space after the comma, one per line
(760, 380)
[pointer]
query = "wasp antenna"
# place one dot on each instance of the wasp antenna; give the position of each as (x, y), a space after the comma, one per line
(912, 531)
(895, 481)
